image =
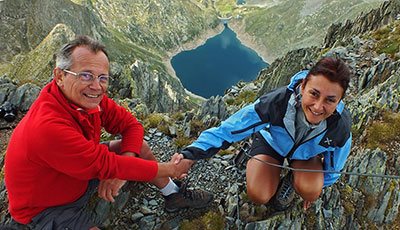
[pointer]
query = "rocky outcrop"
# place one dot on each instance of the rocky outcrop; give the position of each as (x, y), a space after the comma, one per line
(281, 70)
(353, 203)
(22, 97)
(159, 25)
(290, 25)
(33, 30)
(157, 90)
(24, 24)
(373, 20)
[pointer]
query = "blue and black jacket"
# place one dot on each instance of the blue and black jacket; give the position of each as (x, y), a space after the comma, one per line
(268, 115)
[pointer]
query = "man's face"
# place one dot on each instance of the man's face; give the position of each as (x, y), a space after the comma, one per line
(320, 98)
(86, 96)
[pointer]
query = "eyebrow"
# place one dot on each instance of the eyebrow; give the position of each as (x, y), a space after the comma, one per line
(333, 96)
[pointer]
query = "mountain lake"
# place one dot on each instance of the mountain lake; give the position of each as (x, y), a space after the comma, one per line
(221, 62)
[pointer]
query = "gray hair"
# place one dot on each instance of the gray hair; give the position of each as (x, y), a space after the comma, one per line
(64, 56)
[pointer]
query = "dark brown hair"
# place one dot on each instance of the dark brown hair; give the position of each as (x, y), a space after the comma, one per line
(332, 68)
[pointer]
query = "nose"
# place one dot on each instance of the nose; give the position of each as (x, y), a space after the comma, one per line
(319, 106)
(96, 84)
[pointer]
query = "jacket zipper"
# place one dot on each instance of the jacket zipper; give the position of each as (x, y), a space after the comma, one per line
(247, 128)
(302, 141)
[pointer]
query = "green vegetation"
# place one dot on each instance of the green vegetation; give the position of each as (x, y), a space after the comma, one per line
(154, 120)
(104, 136)
(225, 152)
(226, 7)
(246, 96)
(153, 26)
(345, 197)
(388, 40)
(4, 68)
(210, 221)
(384, 131)
(290, 25)
(159, 121)
(182, 142)
(2, 168)
(178, 116)
(196, 127)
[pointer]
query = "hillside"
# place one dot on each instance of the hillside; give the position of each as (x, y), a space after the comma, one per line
(134, 32)
(276, 27)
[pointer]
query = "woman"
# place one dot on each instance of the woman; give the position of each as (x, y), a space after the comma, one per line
(305, 123)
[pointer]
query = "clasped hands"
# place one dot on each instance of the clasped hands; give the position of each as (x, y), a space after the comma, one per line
(176, 168)
(181, 165)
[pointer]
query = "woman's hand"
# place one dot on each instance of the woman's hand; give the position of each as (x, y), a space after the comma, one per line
(177, 167)
(306, 204)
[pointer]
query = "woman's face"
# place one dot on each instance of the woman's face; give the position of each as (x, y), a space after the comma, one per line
(320, 98)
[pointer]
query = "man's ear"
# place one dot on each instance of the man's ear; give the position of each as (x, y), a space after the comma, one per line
(59, 76)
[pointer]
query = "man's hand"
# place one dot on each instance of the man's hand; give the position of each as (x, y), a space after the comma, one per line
(183, 165)
(177, 167)
(108, 189)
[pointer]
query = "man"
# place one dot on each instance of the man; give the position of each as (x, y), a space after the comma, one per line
(54, 154)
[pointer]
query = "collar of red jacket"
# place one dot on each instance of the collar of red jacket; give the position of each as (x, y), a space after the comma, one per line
(90, 111)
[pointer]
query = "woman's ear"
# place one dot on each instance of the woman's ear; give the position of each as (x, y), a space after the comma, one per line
(58, 75)
(303, 85)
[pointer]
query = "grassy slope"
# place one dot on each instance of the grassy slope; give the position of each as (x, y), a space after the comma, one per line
(289, 25)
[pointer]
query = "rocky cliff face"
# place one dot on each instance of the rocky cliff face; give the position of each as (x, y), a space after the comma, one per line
(25, 24)
(159, 25)
(281, 70)
(353, 202)
(156, 25)
(289, 25)
(141, 30)
(375, 19)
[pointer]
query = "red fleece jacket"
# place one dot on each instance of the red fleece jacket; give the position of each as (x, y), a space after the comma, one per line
(54, 151)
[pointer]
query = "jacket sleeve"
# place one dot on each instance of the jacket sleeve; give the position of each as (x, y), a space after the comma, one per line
(334, 161)
(60, 145)
(237, 127)
(117, 120)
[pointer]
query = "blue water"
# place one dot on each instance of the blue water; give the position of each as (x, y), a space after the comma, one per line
(217, 65)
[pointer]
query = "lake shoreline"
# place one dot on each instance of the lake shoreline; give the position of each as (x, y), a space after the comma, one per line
(250, 41)
(245, 39)
(199, 41)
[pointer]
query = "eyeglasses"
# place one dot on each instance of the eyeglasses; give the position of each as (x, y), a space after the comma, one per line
(88, 78)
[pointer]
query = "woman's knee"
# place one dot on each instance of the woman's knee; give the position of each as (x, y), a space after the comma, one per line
(258, 196)
(309, 189)
(308, 184)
